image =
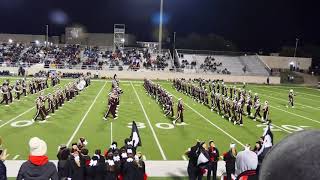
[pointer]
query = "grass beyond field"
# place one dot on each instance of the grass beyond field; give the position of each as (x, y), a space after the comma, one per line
(160, 139)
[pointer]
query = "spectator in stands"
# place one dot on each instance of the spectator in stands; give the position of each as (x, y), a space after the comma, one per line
(3, 169)
(246, 165)
(38, 166)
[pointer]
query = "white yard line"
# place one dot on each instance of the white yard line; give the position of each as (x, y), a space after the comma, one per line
(111, 133)
(15, 157)
(148, 120)
(233, 138)
(287, 90)
(286, 100)
(84, 117)
(296, 114)
(184, 157)
(16, 117)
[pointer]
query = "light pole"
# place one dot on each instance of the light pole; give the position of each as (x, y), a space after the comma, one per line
(160, 26)
(174, 40)
(47, 35)
(295, 49)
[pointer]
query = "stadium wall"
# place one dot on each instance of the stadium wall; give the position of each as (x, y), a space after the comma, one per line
(21, 38)
(278, 62)
(154, 75)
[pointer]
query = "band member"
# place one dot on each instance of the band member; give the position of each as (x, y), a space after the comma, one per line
(180, 112)
(169, 108)
(41, 111)
(5, 94)
(257, 107)
(291, 100)
(51, 103)
(265, 112)
(24, 88)
(239, 112)
(112, 107)
(18, 90)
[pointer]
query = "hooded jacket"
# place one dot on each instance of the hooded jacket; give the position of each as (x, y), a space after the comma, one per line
(37, 169)
(3, 171)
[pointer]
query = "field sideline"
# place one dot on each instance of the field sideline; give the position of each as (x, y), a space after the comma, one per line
(160, 139)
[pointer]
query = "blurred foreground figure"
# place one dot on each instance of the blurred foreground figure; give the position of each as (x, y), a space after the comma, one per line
(294, 158)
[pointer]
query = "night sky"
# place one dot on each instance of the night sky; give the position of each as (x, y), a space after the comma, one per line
(251, 24)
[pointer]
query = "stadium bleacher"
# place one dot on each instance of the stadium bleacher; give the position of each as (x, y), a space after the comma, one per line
(224, 64)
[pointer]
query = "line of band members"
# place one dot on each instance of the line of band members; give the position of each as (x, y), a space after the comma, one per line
(230, 101)
(113, 100)
(165, 100)
(46, 104)
(23, 88)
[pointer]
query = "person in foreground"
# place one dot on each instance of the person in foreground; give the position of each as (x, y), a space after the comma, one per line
(38, 165)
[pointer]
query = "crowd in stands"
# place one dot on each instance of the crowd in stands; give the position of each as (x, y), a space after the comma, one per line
(92, 54)
(210, 64)
(10, 53)
(133, 58)
(68, 56)
(72, 75)
(4, 73)
(63, 56)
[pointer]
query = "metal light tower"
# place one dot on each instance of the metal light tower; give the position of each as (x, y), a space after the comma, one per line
(160, 26)
(119, 31)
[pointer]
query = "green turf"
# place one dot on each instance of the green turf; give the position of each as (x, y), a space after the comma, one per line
(157, 143)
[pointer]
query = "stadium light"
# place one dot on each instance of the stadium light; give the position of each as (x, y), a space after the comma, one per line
(37, 42)
(10, 41)
(123, 40)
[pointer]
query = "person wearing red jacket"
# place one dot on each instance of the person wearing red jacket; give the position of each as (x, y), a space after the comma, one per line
(38, 165)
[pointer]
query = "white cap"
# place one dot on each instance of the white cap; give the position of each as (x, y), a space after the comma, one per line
(37, 147)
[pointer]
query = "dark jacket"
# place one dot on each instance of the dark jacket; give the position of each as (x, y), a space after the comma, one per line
(29, 171)
(130, 171)
(230, 161)
(3, 171)
(76, 172)
(63, 168)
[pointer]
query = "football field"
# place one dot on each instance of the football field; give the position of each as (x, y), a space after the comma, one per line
(82, 117)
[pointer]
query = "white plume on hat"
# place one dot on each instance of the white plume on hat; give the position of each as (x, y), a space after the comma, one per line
(37, 147)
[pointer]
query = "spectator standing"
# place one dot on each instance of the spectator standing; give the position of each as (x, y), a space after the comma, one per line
(213, 161)
(63, 163)
(246, 165)
(3, 169)
(38, 165)
(76, 167)
(230, 159)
